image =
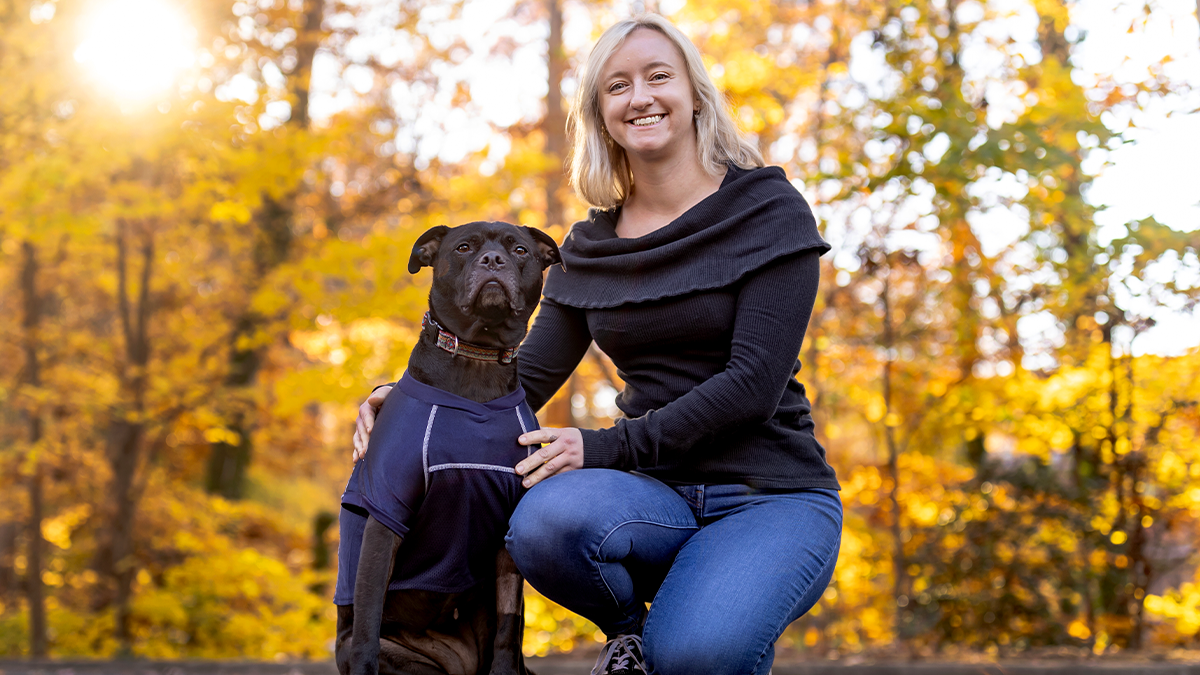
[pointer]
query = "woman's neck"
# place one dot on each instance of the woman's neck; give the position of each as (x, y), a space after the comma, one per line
(663, 191)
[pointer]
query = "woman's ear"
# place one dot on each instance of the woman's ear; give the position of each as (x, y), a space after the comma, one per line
(426, 248)
(547, 249)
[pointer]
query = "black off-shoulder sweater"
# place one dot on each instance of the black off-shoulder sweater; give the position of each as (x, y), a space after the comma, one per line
(704, 318)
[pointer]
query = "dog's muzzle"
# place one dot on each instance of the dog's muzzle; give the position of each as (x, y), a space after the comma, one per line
(492, 283)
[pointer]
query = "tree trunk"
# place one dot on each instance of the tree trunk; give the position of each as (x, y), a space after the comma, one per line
(306, 50)
(125, 432)
(124, 448)
(554, 124)
(34, 588)
(558, 412)
(1140, 565)
(899, 566)
(229, 462)
(8, 551)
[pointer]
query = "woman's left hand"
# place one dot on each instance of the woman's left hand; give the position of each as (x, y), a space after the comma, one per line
(562, 450)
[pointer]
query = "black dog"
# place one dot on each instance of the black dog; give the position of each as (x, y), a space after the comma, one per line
(464, 613)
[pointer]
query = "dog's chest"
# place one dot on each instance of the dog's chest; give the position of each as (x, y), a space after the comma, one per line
(438, 472)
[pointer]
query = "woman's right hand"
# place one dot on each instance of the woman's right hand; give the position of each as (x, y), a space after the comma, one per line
(366, 420)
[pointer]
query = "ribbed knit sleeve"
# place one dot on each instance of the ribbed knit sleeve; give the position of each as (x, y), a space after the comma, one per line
(556, 343)
(774, 305)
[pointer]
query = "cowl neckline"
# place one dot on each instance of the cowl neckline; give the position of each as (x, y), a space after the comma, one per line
(754, 218)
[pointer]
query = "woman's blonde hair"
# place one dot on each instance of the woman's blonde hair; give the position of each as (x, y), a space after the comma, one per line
(599, 171)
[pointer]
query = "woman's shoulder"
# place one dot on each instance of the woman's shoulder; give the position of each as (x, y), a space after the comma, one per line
(757, 216)
(741, 186)
(768, 179)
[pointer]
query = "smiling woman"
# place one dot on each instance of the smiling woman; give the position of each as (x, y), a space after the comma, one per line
(133, 49)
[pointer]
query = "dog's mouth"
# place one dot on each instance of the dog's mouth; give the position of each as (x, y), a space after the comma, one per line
(491, 294)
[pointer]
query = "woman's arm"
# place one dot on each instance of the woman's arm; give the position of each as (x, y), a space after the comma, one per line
(773, 309)
(556, 344)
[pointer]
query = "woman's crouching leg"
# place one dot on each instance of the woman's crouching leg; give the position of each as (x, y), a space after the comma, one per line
(599, 542)
(738, 583)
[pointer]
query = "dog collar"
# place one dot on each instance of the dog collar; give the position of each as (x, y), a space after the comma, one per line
(449, 342)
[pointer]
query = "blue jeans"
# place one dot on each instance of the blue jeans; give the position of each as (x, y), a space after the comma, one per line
(727, 567)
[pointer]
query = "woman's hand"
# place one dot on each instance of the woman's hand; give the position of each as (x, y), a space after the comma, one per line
(562, 451)
(366, 420)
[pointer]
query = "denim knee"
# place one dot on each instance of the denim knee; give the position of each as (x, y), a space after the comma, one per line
(713, 649)
(544, 528)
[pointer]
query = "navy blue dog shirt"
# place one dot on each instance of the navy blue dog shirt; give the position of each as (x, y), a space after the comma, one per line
(438, 472)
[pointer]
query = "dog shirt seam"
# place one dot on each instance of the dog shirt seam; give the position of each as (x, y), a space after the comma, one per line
(425, 446)
(524, 430)
(465, 465)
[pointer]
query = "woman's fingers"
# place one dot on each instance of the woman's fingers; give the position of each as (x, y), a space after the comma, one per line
(364, 411)
(563, 451)
(375, 400)
(539, 457)
(545, 437)
(366, 421)
(543, 472)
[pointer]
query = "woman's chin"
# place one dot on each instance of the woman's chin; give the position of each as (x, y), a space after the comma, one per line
(651, 150)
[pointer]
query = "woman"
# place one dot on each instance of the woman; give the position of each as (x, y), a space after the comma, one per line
(697, 276)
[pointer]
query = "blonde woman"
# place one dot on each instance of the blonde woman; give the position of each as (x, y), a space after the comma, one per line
(696, 273)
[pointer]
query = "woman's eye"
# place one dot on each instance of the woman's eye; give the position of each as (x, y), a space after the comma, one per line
(463, 248)
(658, 76)
(521, 250)
(616, 87)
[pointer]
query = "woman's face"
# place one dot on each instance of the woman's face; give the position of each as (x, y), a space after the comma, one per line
(646, 97)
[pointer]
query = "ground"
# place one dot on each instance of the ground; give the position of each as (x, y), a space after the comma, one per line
(566, 665)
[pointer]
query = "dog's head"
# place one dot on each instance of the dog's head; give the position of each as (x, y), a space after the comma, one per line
(487, 277)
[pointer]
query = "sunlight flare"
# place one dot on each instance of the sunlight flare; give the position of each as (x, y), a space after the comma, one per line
(135, 48)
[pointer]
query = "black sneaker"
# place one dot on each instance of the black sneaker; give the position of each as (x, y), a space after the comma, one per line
(621, 655)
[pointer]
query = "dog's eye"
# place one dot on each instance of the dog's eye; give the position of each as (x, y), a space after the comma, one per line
(521, 250)
(463, 248)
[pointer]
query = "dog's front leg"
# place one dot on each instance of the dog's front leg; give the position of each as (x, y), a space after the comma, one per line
(375, 561)
(507, 658)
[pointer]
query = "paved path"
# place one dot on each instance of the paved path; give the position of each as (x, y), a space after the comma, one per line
(568, 666)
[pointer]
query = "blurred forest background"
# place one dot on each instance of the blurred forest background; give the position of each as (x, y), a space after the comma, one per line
(205, 210)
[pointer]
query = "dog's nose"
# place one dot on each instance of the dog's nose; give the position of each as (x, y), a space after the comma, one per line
(492, 260)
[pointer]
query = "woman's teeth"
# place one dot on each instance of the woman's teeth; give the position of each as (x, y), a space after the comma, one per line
(647, 121)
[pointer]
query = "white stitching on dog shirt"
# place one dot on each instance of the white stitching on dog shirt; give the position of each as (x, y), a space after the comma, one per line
(425, 446)
(483, 467)
(524, 430)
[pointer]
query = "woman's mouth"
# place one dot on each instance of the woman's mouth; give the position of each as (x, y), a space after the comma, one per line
(647, 121)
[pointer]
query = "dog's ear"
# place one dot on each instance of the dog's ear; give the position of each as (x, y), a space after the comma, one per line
(426, 248)
(547, 249)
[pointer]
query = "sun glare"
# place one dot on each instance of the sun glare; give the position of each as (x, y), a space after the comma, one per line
(135, 48)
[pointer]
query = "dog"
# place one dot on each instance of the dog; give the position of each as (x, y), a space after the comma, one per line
(433, 590)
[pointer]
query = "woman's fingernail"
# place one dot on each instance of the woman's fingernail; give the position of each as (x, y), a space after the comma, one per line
(525, 483)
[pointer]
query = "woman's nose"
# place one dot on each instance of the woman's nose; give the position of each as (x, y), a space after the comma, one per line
(641, 96)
